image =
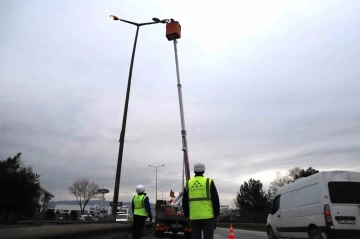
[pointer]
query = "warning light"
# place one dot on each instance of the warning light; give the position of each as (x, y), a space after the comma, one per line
(173, 30)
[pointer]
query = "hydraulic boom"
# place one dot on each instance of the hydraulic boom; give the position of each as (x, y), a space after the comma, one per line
(183, 130)
(169, 214)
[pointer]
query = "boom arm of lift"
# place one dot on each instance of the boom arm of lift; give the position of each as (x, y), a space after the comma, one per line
(177, 203)
(186, 168)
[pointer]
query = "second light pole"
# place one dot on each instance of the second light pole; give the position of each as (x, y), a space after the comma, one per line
(162, 193)
(156, 167)
(123, 128)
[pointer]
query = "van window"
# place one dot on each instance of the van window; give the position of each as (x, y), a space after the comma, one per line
(276, 205)
(344, 192)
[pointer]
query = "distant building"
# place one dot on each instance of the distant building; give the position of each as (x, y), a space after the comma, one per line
(44, 199)
(95, 210)
(225, 210)
(88, 210)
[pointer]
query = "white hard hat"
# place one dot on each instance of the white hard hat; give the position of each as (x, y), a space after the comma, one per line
(140, 188)
(199, 167)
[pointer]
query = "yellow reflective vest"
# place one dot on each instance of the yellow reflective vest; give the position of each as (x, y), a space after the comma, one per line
(200, 204)
(139, 206)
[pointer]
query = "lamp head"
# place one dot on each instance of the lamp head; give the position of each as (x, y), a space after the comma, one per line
(113, 17)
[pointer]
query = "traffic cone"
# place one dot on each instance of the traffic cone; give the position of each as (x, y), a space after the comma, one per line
(231, 235)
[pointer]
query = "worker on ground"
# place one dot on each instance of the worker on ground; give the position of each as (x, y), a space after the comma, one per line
(141, 209)
(201, 203)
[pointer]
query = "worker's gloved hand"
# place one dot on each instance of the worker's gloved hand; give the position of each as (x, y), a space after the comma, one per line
(151, 219)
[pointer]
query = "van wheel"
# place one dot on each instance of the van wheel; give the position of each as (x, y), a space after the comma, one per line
(270, 233)
(315, 234)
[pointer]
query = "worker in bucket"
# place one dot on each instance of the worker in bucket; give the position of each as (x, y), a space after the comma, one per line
(201, 203)
(141, 209)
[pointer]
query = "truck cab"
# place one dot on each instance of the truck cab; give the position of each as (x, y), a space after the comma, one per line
(169, 219)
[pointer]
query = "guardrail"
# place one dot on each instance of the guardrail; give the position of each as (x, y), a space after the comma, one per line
(98, 230)
(67, 222)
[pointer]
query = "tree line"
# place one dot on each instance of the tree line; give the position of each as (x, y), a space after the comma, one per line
(20, 188)
(253, 203)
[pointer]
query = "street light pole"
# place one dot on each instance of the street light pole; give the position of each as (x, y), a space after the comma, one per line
(162, 193)
(156, 167)
(123, 128)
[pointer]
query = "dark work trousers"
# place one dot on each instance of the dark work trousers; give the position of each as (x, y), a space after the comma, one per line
(205, 226)
(138, 226)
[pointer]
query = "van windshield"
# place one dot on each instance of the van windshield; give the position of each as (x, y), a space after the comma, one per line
(344, 192)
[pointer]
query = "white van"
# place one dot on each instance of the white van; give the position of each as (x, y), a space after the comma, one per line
(124, 218)
(325, 205)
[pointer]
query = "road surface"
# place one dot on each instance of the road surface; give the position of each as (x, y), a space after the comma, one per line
(223, 233)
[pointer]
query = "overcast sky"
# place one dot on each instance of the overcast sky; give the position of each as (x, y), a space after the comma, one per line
(267, 86)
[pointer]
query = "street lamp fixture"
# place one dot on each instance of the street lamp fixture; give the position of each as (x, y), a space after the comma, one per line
(123, 128)
(113, 17)
(155, 19)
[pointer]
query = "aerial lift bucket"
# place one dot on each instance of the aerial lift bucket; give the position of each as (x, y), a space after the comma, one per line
(173, 30)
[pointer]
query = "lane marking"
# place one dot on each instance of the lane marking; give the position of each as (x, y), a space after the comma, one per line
(217, 235)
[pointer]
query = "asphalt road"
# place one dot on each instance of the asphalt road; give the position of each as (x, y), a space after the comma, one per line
(223, 233)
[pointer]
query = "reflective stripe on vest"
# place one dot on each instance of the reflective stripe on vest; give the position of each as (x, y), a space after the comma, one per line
(200, 203)
(139, 206)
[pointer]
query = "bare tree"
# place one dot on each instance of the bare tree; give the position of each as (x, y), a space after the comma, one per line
(294, 172)
(84, 191)
(278, 182)
(289, 177)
